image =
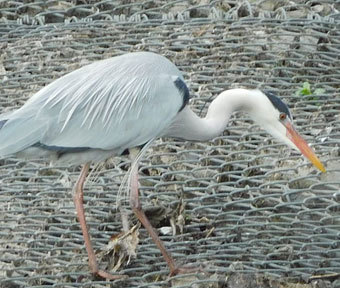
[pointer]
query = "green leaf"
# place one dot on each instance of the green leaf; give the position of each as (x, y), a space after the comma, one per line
(305, 89)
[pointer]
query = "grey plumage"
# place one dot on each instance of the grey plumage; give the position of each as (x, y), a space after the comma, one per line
(92, 107)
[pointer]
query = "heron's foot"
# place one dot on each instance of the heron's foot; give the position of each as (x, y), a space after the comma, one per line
(108, 276)
(186, 270)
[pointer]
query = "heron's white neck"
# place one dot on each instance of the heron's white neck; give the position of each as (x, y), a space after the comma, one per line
(187, 125)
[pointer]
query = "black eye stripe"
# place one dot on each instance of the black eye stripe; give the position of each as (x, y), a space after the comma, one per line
(278, 103)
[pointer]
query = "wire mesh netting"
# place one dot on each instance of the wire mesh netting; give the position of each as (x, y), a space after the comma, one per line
(244, 207)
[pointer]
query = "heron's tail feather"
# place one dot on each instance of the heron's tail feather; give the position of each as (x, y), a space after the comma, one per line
(17, 134)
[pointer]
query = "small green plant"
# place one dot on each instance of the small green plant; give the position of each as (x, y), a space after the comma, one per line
(306, 90)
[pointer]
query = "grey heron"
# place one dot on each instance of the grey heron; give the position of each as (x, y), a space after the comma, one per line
(112, 105)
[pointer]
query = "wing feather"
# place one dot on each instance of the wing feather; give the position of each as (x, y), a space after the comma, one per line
(112, 104)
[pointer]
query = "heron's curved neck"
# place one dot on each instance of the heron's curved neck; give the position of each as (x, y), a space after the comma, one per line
(189, 126)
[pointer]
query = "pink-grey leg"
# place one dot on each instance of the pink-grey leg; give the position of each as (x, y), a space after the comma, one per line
(137, 209)
(78, 201)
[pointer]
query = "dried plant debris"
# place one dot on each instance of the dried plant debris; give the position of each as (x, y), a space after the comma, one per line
(169, 220)
(120, 249)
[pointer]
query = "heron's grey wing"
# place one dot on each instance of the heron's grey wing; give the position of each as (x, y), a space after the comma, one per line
(109, 105)
(128, 113)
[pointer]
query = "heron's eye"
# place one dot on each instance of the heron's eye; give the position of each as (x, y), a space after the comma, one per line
(283, 116)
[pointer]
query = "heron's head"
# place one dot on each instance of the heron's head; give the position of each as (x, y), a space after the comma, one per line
(273, 115)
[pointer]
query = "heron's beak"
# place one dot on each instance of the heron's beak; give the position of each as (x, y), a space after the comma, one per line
(303, 146)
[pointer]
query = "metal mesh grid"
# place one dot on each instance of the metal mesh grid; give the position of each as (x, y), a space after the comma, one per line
(251, 206)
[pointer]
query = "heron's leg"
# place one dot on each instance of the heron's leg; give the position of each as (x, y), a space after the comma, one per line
(78, 202)
(137, 209)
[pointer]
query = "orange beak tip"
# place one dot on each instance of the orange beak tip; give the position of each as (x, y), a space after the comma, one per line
(317, 163)
(322, 169)
(315, 160)
(304, 148)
